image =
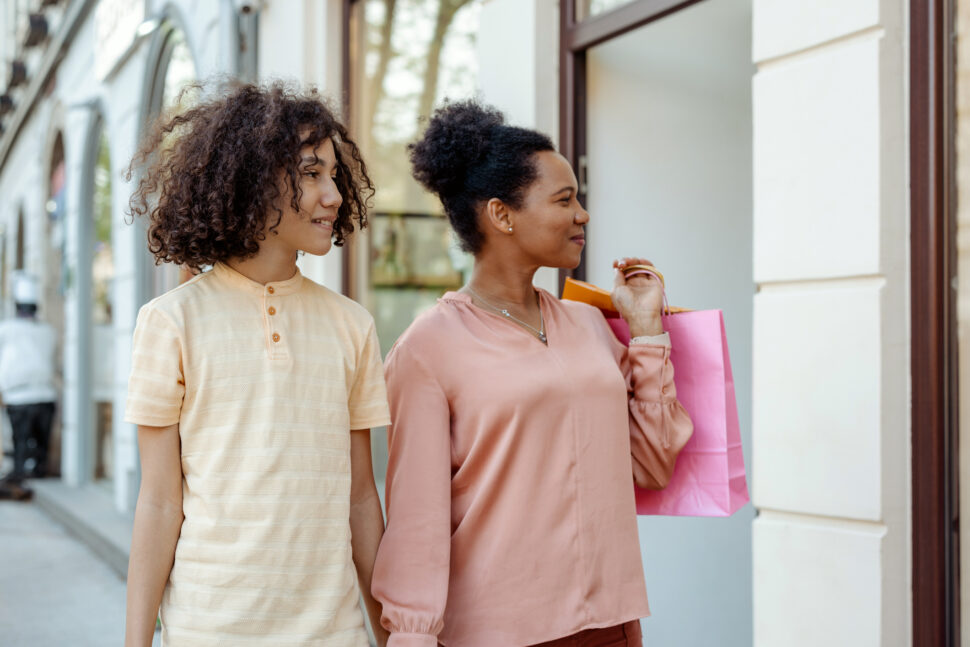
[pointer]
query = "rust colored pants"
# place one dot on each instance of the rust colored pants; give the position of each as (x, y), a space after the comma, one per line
(625, 635)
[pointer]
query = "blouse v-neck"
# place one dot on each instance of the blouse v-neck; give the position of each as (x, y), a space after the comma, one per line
(466, 299)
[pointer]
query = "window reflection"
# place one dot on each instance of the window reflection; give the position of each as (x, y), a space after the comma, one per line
(178, 72)
(102, 267)
(102, 278)
(408, 56)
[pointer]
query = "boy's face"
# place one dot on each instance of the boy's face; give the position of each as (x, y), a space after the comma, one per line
(311, 229)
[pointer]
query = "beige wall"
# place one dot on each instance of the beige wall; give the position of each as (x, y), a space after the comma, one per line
(831, 431)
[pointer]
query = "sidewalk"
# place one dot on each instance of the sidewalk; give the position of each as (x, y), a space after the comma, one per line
(85, 519)
(88, 513)
(54, 591)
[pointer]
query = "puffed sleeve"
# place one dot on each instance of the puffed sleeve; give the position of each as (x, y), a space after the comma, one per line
(659, 424)
(156, 385)
(412, 568)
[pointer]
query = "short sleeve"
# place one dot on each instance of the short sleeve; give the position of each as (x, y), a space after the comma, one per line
(368, 394)
(156, 385)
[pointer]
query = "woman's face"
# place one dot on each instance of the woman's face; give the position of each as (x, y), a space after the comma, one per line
(548, 227)
(311, 229)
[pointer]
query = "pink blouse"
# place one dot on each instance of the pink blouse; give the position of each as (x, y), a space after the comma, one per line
(511, 516)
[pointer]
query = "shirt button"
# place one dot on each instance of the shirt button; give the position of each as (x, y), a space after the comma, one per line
(276, 336)
(270, 289)
(272, 310)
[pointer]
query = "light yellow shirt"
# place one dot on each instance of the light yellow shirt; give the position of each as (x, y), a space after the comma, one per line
(265, 382)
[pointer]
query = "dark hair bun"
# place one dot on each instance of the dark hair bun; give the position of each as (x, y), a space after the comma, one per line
(467, 156)
(458, 137)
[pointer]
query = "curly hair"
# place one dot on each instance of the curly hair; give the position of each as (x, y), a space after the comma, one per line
(211, 176)
(467, 156)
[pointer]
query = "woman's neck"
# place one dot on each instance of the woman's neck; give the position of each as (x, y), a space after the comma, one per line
(510, 285)
(269, 265)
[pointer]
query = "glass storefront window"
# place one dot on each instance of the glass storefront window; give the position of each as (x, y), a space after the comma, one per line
(102, 268)
(55, 284)
(102, 277)
(177, 71)
(407, 57)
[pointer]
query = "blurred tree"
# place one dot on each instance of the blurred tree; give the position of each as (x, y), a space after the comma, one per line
(446, 13)
(385, 52)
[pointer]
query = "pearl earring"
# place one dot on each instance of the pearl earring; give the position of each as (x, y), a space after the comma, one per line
(510, 229)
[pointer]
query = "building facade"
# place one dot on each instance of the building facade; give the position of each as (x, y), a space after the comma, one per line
(759, 151)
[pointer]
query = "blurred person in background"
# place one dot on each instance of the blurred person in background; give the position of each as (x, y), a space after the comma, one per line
(27, 347)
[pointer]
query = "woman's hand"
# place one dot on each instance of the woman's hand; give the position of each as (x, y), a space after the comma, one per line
(639, 299)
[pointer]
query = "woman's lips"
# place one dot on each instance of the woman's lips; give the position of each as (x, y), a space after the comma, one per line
(579, 240)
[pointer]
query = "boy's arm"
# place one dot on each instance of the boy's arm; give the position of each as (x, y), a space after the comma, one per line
(158, 522)
(366, 524)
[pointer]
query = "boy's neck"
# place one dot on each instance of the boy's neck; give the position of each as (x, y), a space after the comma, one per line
(268, 266)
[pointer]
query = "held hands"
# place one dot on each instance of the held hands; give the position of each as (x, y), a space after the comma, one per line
(639, 299)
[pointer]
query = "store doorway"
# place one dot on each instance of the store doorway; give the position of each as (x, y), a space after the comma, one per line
(662, 140)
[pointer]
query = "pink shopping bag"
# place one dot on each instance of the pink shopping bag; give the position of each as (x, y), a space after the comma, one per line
(709, 478)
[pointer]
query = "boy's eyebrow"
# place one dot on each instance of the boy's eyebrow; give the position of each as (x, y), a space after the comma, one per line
(312, 160)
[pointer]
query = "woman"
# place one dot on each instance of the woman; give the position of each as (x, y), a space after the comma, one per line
(254, 389)
(519, 422)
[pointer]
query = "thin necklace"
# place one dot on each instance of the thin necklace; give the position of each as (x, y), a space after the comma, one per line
(540, 333)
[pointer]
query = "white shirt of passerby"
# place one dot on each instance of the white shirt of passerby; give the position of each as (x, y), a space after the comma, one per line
(27, 348)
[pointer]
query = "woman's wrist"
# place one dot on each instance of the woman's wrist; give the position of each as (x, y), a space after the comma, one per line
(645, 325)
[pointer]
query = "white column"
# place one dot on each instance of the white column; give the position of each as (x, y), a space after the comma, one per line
(831, 466)
(129, 245)
(518, 59)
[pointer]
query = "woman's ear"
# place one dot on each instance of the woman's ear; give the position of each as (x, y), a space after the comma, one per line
(497, 216)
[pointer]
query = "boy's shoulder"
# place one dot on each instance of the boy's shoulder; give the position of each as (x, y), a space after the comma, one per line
(181, 293)
(175, 299)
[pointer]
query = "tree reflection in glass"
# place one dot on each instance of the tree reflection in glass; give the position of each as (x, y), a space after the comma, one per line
(178, 94)
(102, 266)
(409, 56)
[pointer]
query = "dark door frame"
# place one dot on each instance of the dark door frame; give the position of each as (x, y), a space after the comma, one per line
(351, 283)
(935, 548)
(575, 38)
